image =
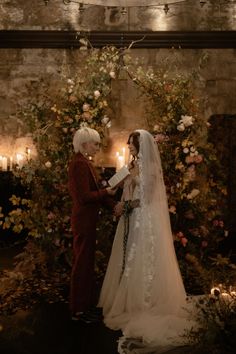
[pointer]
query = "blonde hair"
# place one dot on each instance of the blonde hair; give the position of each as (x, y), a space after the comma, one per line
(84, 135)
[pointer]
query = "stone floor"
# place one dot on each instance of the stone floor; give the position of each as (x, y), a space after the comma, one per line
(48, 329)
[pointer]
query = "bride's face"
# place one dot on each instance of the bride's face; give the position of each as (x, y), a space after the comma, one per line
(132, 149)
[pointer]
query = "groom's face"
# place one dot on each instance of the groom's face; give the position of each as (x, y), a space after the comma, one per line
(91, 148)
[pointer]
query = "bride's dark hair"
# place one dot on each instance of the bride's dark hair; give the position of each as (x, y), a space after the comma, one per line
(136, 136)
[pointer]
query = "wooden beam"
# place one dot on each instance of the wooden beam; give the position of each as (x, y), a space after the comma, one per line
(162, 39)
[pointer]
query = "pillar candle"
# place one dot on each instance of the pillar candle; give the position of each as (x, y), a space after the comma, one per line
(4, 163)
(120, 162)
(10, 163)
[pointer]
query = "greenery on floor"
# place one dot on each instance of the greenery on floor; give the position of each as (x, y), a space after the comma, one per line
(197, 194)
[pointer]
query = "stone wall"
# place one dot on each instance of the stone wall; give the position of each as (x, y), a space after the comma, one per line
(23, 72)
(187, 15)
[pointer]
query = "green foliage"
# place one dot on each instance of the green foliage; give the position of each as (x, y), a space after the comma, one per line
(216, 315)
(196, 195)
(45, 215)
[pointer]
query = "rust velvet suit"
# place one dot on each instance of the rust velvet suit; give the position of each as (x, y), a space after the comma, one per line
(87, 198)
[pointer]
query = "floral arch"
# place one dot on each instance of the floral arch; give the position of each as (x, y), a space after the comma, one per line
(174, 116)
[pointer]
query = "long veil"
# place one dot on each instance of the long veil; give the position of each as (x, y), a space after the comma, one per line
(148, 301)
(160, 316)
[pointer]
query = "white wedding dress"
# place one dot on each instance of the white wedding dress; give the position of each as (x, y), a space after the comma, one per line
(147, 300)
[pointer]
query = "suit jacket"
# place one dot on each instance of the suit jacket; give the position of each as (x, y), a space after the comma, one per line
(86, 195)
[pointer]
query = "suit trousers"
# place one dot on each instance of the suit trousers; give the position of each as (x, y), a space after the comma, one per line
(82, 286)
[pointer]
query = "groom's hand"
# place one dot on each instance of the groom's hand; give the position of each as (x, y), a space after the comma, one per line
(111, 191)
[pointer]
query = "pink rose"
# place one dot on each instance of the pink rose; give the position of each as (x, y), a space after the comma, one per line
(184, 241)
(189, 159)
(87, 116)
(72, 99)
(198, 158)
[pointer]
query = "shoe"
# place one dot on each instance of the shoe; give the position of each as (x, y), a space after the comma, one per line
(95, 311)
(89, 318)
(76, 316)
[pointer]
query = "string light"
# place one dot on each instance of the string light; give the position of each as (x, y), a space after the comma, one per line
(123, 11)
(119, 4)
(166, 9)
(202, 3)
(81, 8)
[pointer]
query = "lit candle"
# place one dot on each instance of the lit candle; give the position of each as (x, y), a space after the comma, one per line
(215, 291)
(120, 162)
(19, 160)
(4, 163)
(28, 152)
(120, 159)
(123, 151)
(10, 165)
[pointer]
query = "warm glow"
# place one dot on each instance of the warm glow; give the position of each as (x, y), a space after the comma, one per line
(215, 289)
(120, 158)
(19, 160)
(28, 152)
(16, 152)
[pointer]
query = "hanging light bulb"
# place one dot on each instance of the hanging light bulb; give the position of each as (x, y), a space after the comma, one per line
(123, 11)
(166, 8)
(202, 3)
(81, 8)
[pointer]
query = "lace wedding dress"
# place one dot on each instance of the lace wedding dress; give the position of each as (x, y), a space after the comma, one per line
(146, 299)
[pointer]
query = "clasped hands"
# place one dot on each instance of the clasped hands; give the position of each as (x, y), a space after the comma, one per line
(120, 206)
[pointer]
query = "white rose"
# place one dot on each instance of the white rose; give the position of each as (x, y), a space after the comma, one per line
(48, 164)
(186, 150)
(156, 127)
(192, 149)
(112, 74)
(96, 94)
(180, 127)
(86, 107)
(193, 193)
(105, 120)
(186, 120)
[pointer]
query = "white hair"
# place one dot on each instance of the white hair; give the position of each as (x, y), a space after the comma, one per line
(84, 135)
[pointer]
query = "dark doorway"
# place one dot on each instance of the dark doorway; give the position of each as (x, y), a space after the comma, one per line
(222, 134)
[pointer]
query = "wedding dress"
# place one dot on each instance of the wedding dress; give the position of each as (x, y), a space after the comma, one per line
(146, 300)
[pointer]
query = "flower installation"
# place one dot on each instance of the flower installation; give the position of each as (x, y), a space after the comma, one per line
(196, 198)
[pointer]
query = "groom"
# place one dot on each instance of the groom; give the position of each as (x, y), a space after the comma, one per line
(87, 199)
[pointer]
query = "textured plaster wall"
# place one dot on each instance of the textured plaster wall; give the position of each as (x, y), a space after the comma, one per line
(185, 16)
(22, 71)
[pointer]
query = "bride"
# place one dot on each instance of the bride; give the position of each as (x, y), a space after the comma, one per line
(143, 292)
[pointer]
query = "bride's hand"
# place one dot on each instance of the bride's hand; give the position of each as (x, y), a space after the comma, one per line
(118, 210)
